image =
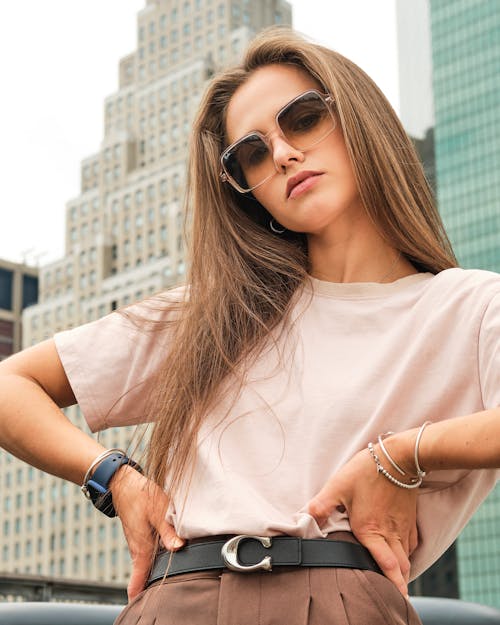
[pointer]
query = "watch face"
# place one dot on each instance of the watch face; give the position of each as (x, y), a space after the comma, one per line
(104, 503)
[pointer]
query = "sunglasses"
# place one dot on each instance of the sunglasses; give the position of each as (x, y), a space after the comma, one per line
(303, 122)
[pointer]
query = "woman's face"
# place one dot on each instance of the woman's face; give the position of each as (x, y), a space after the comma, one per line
(324, 198)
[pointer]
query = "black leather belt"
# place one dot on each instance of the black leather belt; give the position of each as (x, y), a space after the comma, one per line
(247, 554)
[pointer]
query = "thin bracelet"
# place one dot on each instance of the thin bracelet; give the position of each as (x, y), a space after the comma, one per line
(100, 458)
(386, 453)
(421, 474)
(388, 476)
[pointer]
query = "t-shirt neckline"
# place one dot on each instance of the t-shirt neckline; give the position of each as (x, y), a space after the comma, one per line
(365, 289)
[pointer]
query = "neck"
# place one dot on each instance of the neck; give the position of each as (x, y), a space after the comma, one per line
(362, 257)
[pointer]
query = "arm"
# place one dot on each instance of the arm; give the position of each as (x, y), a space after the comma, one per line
(382, 515)
(33, 388)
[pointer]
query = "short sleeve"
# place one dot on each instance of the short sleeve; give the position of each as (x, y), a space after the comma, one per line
(489, 354)
(109, 362)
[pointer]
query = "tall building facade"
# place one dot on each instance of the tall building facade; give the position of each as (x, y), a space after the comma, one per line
(18, 290)
(466, 84)
(124, 241)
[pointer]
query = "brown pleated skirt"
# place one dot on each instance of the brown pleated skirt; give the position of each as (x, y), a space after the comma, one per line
(285, 596)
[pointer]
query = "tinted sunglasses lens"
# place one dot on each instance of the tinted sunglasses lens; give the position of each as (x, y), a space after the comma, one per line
(248, 162)
(306, 120)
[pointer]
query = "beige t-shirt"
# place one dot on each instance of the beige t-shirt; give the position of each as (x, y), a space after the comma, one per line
(358, 360)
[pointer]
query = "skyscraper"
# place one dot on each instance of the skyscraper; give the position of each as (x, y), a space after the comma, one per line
(123, 242)
(466, 84)
(18, 289)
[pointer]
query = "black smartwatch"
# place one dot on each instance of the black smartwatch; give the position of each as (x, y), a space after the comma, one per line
(97, 487)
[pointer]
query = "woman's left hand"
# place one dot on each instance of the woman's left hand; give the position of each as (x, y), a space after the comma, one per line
(382, 515)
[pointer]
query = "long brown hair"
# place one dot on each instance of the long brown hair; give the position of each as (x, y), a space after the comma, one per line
(242, 276)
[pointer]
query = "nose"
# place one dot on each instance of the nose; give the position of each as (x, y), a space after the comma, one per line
(284, 153)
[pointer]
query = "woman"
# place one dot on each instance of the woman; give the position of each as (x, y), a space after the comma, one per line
(324, 310)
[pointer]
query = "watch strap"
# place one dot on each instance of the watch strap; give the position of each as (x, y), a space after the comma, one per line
(98, 485)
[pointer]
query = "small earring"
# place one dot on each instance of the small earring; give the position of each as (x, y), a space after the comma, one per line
(276, 227)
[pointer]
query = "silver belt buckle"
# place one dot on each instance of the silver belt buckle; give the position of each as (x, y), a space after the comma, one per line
(229, 553)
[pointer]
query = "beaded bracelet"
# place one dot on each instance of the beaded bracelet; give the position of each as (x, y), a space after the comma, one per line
(415, 481)
(380, 469)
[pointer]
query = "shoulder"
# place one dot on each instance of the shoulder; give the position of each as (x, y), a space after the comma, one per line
(159, 306)
(154, 313)
(465, 284)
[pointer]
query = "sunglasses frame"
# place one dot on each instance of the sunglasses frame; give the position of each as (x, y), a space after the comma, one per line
(225, 176)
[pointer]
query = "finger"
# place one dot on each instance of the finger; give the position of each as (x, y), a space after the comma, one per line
(387, 560)
(141, 565)
(169, 537)
(402, 557)
(323, 504)
(163, 529)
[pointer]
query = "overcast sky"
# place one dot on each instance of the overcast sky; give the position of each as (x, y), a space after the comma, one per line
(59, 60)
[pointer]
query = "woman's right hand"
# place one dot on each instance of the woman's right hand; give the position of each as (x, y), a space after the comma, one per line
(141, 505)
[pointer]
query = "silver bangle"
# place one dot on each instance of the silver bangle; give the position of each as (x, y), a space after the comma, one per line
(421, 474)
(380, 469)
(99, 459)
(386, 453)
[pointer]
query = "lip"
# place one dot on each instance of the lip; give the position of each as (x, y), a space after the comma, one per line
(298, 178)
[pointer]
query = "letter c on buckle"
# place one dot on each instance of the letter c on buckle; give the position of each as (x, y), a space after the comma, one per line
(229, 553)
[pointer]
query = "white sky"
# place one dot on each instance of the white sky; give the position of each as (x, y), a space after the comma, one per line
(59, 60)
